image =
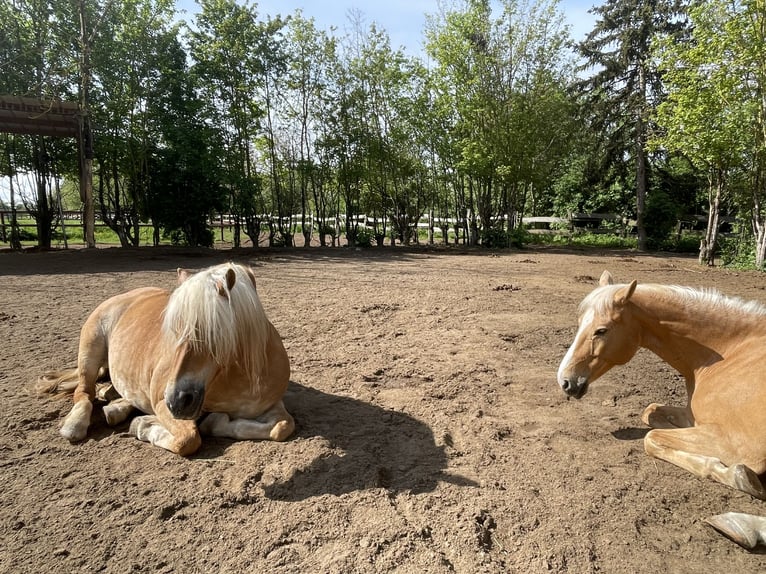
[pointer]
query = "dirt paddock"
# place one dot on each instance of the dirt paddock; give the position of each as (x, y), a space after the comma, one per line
(431, 435)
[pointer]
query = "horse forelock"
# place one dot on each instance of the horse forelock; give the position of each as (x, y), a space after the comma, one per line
(601, 300)
(231, 327)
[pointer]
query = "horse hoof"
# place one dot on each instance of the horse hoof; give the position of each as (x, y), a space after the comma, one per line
(282, 430)
(117, 412)
(747, 481)
(105, 392)
(744, 529)
(139, 426)
(648, 417)
(73, 433)
(76, 423)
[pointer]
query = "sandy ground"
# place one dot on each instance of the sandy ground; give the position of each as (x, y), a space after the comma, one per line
(431, 435)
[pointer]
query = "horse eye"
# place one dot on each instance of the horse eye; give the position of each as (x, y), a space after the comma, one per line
(600, 331)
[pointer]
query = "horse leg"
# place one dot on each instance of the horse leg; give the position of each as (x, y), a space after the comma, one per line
(92, 357)
(178, 436)
(275, 424)
(117, 411)
(683, 447)
(659, 416)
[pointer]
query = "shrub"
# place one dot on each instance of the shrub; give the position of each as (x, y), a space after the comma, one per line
(495, 238)
(364, 237)
(660, 219)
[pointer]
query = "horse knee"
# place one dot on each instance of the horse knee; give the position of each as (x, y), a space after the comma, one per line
(187, 445)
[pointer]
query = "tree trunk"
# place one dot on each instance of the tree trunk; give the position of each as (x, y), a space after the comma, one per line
(641, 242)
(759, 226)
(707, 245)
(44, 213)
(760, 244)
(86, 138)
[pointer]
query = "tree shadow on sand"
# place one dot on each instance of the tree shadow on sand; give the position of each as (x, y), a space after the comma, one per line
(379, 448)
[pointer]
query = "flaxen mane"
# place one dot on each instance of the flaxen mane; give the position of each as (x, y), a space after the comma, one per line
(601, 300)
(232, 327)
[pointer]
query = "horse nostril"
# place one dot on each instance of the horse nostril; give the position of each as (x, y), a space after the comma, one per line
(186, 400)
(566, 385)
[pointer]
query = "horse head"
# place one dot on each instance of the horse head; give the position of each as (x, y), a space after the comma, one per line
(215, 320)
(607, 335)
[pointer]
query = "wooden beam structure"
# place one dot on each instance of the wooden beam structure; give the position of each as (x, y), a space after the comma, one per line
(31, 116)
(39, 117)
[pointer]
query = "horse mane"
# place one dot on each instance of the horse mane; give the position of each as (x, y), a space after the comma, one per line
(601, 300)
(230, 325)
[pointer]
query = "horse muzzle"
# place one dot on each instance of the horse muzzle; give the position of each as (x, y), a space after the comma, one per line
(185, 399)
(574, 386)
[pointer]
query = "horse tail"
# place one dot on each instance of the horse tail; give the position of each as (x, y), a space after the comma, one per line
(58, 382)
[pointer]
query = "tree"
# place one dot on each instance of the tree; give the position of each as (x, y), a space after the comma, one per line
(185, 187)
(505, 80)
(716, 83)
(122, 106)
(626, 85)
(37, 55)
(310, 51)
(234, 57)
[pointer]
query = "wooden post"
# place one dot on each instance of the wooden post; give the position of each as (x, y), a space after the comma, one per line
(86, 182)
(86, 139)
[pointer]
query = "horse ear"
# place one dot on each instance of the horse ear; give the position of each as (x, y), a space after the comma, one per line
(183, 275)
(231, 278)
(626, 292)
(251, 275)
(606, 278)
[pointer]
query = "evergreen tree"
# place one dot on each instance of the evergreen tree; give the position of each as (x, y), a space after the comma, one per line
(626, 86)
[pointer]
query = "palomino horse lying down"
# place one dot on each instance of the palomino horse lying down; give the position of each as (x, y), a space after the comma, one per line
(718, 344)
(207, 348)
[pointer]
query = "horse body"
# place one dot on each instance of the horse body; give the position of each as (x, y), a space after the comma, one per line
(716, 344)
(205, 348)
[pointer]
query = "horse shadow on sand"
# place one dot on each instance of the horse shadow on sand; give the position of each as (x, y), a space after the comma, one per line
(369, 447)
(365, 446)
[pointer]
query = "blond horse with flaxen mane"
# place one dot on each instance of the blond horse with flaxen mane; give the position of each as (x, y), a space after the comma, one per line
(205, 351)
(718, 344)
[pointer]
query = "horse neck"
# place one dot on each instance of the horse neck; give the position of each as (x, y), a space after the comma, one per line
(688, 336)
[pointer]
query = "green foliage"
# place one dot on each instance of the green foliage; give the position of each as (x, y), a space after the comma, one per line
(586, 239)
(364, 237)
(495, 238)
(715, 112)
(620, 96)
(661, 219)
(257, 116)
(737, 252)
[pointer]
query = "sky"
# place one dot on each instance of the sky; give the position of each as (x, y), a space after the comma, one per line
(403, 20)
